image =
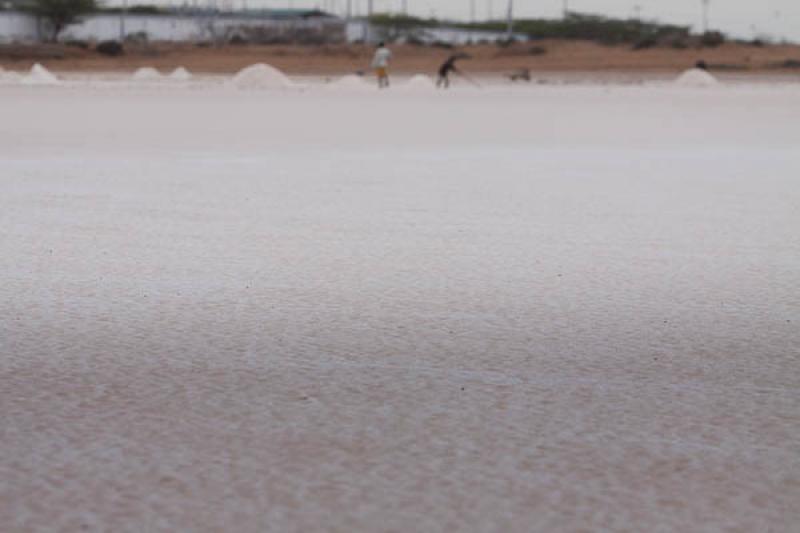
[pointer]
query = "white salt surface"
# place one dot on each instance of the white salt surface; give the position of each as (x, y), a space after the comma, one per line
(146, 74)
(550, 309)
(39, 75)
(10, 76)
(696, 77)
(419, 82)
(351, 82)
(261, 76)
(180, 74)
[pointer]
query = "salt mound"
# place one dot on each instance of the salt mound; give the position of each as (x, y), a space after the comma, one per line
(261, 76)
(351, 82)
(146, 74)
(696, 78)
(40, 76)
(180, 74)
(419, 82)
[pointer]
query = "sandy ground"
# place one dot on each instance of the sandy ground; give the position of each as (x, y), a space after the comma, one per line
(517, 309)
(570, 56)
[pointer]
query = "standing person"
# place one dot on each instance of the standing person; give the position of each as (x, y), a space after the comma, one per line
(447, 67)
(380, 63)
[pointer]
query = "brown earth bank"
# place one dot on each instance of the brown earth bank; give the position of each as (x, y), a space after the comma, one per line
(553, 55)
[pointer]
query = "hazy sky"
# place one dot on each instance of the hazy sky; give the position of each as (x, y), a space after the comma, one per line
(743, 18)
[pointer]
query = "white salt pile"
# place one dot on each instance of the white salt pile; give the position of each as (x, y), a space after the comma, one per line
(261, 76)
(180, 74)
(39, 76)
(419, 82)
(696, 78)
(146, 74)
(350, 82)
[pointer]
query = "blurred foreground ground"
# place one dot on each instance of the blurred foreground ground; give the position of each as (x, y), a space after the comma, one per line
(511, 310)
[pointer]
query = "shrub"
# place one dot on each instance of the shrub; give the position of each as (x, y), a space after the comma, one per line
(387, 20)
(77, 43)
(147, 9)
(137, 37)
(110, 48)
(60, 13)
(712, 39)
(679, 44)
(645, 43)
(596, 28)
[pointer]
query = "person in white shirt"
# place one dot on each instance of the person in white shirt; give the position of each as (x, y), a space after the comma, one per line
(380, 63)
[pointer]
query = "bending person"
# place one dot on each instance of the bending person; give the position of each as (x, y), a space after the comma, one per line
(443, 80)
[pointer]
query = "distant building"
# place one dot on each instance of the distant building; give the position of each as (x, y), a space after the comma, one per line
(209, 25)
(16, 25)
(195, 25)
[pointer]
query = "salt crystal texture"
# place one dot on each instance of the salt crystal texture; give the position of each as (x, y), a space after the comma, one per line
(696, 78)
(560, 309)
(261, 76)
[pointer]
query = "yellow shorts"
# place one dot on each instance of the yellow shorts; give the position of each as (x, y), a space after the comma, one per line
(381, 72)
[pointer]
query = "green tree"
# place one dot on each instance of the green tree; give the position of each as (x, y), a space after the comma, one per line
(60, 13)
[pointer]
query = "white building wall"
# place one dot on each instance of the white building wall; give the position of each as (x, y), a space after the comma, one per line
(16, 26)
(159, 28)
(356, 30)
(181, 28)
(22, 27)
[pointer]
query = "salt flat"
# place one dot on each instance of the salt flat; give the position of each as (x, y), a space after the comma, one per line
(516, 309)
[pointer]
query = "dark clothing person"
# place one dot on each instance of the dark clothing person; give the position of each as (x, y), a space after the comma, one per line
(444, 71)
